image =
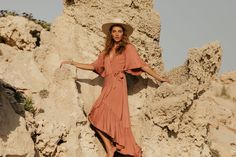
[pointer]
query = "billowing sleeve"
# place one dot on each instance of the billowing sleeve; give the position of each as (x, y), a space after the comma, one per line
(98, 64)
(133, 62)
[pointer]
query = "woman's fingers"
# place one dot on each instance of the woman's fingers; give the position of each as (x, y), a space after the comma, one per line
(65, 62)
(61, 65)
(166, 79)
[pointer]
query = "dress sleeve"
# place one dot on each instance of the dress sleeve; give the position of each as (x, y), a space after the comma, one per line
(98, 65)
(133, 62)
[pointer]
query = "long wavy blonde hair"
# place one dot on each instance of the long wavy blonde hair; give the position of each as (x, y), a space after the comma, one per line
(110, 41)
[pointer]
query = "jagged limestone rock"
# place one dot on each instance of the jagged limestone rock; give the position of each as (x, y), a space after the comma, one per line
(15, 139)
(167, 119)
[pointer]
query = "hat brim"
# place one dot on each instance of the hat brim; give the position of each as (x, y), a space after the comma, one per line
(128, 29)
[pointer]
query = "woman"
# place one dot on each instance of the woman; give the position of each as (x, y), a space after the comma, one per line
(110, 114)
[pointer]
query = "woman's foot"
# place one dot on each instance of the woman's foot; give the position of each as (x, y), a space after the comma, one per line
(111, 152)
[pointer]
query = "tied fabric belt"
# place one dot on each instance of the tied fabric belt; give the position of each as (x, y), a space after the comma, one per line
(113, 80)
(119, 75)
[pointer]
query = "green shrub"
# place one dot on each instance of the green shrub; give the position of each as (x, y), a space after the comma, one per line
(28, 104)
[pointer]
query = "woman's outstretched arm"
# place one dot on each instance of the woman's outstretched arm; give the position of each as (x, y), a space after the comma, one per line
(79, 65)
(151, 72)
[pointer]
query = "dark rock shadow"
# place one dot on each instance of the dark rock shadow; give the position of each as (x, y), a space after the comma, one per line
(70, 2)
(134, 83)
(9, 119)
(98, 136)
(93, 82)
(120, 155)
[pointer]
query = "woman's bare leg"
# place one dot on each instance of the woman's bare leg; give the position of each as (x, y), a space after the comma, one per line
(109, 146)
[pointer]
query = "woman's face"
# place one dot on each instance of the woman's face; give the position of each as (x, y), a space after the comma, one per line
(117, 33)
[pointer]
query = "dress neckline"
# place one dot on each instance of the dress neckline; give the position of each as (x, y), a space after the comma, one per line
(111, 57)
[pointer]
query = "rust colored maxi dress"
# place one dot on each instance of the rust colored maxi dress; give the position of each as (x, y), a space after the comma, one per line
(110, 112)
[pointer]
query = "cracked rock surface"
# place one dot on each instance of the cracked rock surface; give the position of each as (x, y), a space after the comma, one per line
(44, 108)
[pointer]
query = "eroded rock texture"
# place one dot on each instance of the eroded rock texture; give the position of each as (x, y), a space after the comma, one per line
(194, 116)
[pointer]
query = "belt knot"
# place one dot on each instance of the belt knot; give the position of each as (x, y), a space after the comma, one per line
(119, 75)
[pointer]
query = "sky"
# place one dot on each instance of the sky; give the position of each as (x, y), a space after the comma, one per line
(185, 24)
(193, 23)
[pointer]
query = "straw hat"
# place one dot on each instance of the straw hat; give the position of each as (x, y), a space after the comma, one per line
(106, 27)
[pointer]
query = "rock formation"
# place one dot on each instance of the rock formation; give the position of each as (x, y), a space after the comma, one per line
(43, 108)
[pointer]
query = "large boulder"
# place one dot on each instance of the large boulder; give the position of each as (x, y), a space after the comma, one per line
(185, 118)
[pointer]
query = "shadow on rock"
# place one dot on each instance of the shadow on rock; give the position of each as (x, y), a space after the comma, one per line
(98, 81)
(9, 119)
(134, 83)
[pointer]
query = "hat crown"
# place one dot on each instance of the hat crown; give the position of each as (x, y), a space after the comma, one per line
(106, 27)
(117, 20)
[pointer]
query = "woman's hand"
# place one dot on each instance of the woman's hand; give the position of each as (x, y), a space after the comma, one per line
(164, 79)
(154, 74)
(78, 65)
(66, 62)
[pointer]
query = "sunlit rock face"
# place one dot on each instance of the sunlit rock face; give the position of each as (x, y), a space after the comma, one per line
(193, 116)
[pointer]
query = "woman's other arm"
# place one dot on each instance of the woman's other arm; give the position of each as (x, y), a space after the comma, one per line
(79, 65)
(154, 74)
